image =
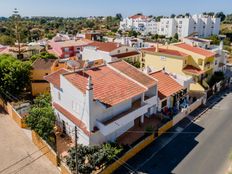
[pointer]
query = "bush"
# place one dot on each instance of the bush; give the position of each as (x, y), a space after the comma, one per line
(90, 158)
(41, 118)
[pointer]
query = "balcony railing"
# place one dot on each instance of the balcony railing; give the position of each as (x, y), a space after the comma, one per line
(118, 122)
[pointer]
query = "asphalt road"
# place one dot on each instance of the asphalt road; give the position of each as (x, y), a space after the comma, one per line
(17, 152)
(202, 148)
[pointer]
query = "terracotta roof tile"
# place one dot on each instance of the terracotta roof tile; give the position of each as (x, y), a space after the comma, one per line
(138, 16)
(43, 64)
(166, 85)
(166, 51)
(133, 73)
(109, 87)
(104, 46)
(54, 78)
(124, 55)
(193, 70)
(73, 118)
(197, 50)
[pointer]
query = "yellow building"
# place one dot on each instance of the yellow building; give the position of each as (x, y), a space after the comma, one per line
(41, 68)
(181, 59)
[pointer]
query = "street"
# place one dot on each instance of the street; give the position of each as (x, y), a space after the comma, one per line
(18, 154)
(203, 147)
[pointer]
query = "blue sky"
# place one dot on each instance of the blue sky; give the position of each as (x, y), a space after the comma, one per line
(74, 8)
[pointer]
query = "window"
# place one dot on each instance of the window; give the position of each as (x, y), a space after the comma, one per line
(127, 50)
(66, 49)
(200, 62)
(59, 96)
(118, 51)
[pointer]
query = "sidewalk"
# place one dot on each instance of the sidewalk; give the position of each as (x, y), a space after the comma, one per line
(18, 153)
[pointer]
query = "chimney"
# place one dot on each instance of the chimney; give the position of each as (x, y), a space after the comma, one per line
(89, 84)
(157, 48)
(89, 103)
(166, 44)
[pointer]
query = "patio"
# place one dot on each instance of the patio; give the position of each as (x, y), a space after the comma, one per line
(64, 143)
(138, 130)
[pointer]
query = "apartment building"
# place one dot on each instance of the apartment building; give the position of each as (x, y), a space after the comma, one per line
(203, 25)
(221, 55)
(109, 52)
(102, 102)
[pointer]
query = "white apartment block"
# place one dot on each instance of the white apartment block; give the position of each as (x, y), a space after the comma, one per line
(203, 25)
(102, 102)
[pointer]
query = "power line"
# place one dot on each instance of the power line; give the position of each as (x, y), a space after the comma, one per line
(20, 160)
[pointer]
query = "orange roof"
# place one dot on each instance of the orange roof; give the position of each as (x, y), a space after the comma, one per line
(104, 46)
(193, 70)
(166, 51)
(54, 78)
(73, 118)
(133, 73)
(197, 50)
(138, 16)
(166, 85)
(109, 87)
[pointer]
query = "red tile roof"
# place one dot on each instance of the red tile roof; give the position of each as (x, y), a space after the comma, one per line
(124, 55)
(193, 70)
(197, 50)
(72, 117)
(138, 16)
(166, 85)
(54, 78)
(43, 64)
(133, 73)
(109, 87)
(104, 46)
(166, 51)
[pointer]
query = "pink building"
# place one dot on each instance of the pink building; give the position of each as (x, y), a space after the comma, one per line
(70, 48)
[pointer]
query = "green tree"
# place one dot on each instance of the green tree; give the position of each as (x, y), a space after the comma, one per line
(6, 40)
(176, 36)
(43, 55)
(221, 15)
(41, 117)
(14, 75)
(215, 39)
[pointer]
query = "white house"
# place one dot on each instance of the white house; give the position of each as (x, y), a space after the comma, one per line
(102, 102)
(109, 52)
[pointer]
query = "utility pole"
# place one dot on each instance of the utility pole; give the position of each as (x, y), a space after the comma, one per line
(76, 148)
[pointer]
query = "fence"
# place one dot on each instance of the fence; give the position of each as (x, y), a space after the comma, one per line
(45, 148)
(13, 113)
(132, 152)
(187, 111)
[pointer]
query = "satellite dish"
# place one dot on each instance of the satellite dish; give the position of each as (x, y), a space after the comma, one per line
(73, 64)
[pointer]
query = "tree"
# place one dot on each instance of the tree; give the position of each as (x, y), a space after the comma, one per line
(14, 75)
(172, 16)
(132, 33)
(41, 117)
(176, 36)
(119, 16)
(43, 55)
(6, 40)
(215, 40)
(221, 15)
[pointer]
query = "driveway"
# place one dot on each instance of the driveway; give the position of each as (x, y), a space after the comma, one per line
(18, 154)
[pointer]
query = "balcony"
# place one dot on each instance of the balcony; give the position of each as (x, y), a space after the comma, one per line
(121, 120)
